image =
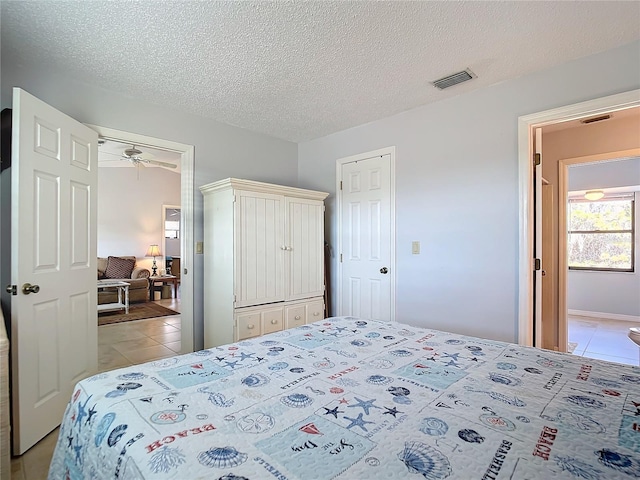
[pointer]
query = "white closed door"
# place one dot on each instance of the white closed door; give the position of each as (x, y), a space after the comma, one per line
(366, 239)
(54, 321)
(260, 246)
(304, 251)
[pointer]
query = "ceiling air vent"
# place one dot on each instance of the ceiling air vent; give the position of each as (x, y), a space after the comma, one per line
(596, 119)
(454, 79)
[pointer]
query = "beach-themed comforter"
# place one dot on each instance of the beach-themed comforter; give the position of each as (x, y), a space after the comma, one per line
(356, 399)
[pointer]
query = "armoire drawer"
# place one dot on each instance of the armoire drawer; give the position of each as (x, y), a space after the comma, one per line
(255, 321)
(295, 315)
(272, 320)
(315, 311)
(248, 325)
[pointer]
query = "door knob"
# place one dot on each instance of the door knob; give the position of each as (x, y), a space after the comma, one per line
(27, 288)
(384, 270)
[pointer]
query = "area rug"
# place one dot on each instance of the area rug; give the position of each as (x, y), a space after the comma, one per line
(571, 346)
(138, 311)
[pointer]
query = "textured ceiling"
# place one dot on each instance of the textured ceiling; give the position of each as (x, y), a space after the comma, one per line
(301, 70)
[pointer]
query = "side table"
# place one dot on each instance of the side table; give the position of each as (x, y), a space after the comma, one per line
(162, 279)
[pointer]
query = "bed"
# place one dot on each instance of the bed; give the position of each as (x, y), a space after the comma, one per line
(356, 399)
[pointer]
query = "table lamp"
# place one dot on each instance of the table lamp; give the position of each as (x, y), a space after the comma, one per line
(153, 251)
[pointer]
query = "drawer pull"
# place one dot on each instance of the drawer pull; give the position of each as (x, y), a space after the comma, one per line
(298, 317)
(250, 327)
(315, 314)
(274, 321)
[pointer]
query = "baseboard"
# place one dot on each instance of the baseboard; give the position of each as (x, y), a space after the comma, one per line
(610, 316)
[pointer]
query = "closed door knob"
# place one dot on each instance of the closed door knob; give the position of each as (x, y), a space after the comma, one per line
(27, 288)
(384, 270)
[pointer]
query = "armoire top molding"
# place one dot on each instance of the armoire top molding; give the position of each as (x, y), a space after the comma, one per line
(241, 184)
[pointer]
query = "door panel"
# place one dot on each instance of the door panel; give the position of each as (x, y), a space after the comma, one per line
(259, 270)
(80, 225)
(46, 317)
(304, 257)
(53, 245)
(46, 221)
(366, 238)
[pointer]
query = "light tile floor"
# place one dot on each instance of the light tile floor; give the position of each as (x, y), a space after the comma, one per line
(119, 345)
(603, 339)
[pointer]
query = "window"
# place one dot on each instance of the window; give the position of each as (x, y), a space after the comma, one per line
(171, 229)
(601, 234)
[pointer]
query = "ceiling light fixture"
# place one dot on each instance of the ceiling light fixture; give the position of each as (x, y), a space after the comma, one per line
(594, 195)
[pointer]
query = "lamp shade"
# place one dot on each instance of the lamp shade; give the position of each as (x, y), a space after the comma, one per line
(594, 195)
(153, 251)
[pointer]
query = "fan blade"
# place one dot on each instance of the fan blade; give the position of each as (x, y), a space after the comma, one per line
(110, 153)
(159, 163)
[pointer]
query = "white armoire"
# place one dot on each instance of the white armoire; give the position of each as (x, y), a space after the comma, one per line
(263, 259)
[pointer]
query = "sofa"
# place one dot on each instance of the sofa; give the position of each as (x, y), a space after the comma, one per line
(123, 269)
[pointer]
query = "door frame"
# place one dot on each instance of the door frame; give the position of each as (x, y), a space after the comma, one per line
(563, 195)
(187, 192)
(391, 151)
(526, 126)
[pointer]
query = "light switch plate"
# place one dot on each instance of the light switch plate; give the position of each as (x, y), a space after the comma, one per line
(415, 248)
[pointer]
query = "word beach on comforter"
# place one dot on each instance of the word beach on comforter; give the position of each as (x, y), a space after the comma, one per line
(356, 399)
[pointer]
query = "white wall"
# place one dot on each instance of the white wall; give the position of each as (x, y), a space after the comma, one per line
(607, 292)
(172, 247)
(130, 210)
(457, 189)
(220, 150)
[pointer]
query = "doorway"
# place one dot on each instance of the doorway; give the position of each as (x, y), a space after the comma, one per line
(186, 168)
(366, 235)
(526, 126)
(603, 278)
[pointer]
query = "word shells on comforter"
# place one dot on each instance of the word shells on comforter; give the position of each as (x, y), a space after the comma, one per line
(356, 399)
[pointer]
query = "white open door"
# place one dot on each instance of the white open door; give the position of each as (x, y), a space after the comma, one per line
(537, 252)
(367, 268)
(54, 323)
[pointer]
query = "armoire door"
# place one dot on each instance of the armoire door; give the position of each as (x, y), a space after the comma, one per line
(259, 248)
(304, 254)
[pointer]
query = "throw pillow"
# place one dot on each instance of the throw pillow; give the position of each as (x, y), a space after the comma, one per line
(119, 267)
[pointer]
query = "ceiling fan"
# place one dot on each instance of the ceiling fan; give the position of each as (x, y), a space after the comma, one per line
(135, 156)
